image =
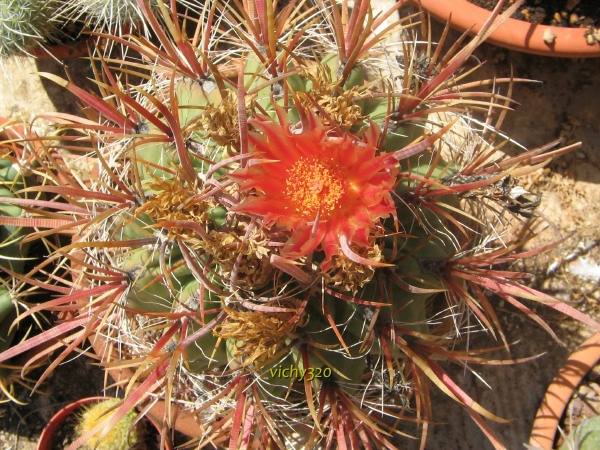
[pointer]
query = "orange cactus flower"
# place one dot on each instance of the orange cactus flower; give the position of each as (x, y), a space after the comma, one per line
(329, 191)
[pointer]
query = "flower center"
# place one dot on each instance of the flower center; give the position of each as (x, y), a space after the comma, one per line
(312, 186)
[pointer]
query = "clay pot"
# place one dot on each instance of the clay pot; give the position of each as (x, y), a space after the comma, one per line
(47, 437)
(514, 34)
(62, 51)
(561, 390)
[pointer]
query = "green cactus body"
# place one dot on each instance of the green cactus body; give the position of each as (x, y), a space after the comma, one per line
(132, 228)
(193, 101)
(148, 291)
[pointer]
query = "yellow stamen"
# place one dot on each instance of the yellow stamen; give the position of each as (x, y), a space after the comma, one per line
(313, 185)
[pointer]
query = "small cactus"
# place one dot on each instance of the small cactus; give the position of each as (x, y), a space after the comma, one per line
(125, 434)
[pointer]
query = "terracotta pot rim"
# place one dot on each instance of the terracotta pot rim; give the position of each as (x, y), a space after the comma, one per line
(514, 34)
(46, 437)
(67, 50)
(560, 392)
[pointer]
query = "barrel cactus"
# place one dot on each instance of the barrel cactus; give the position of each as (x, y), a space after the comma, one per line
(292, 221)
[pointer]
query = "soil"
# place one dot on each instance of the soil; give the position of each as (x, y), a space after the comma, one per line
(560, 106)
(562, 13)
